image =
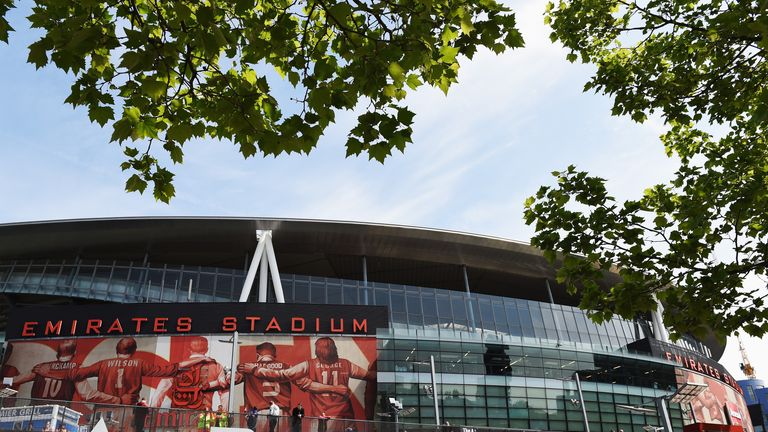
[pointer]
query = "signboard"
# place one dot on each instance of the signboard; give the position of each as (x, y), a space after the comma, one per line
(193, 318)
(46, 418)
(686, 359)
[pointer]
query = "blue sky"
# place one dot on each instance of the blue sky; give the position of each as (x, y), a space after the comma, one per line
(477, 153)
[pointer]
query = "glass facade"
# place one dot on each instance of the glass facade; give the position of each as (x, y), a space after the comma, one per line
(527, 387)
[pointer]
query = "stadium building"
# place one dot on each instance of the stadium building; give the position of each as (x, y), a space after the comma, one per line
(507, 345)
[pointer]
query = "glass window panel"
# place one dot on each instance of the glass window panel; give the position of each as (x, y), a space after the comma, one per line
(536, 317)
(350, 294)
(301, 292)
(459, 308)
(443, 306)
(429, 306)
(397, 302)
(318, 293)
(486, 311)
(334, 294)
(382, 297)
(413, 302)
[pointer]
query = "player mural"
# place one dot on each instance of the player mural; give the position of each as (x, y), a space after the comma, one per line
(333, 375)
(718, 404)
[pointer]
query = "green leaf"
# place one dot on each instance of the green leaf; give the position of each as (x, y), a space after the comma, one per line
(396, 72)
(448, 54)
(153, 88)
(135, 184)
(413, 81)
(132, 114)
(101, 114)
(180, 132)
(38, 55)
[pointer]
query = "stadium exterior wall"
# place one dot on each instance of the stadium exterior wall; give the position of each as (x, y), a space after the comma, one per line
(507, 340)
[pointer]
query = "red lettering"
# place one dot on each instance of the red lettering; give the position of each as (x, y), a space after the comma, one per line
(361, 326)
(273, 325)
(678, 359)
(295, 324)
(74, 327)
(184, 325)
(29, 328)
(669, 355)
(93, 324)
(229, 324)
(252, 320)
(317, 324)
(340, 329)
(159, 326)
(50, 328)
(116, 326)
(138, 322)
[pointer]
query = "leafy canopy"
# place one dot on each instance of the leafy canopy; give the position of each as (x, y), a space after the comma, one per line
(690, 242)
(166, 71)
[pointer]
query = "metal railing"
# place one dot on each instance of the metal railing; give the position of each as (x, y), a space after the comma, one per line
(22, 414)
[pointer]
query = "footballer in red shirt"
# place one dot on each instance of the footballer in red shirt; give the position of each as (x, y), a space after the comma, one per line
(326, 377)
(50, 380)
(194, 387)
(260, 393)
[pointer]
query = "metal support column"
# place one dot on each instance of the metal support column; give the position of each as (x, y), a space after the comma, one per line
(549, 291)
(581, 402)
(661, 407)
(435, 393)
(263, 278)
(469, 299)
(365, 280)
(251, 275)
(660, 332)
(277, 284)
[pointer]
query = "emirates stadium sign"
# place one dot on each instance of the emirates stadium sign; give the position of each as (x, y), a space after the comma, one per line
(193, 318)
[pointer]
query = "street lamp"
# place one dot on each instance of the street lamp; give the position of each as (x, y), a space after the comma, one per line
(575, 377)
(434, 386)
(684, 394)
(232, 368)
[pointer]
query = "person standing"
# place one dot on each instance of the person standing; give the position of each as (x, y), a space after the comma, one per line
(140, 415)
(204, 420)
(297, 414)
(251, 418)
(274, 413)
(222, 417)
(322, 422)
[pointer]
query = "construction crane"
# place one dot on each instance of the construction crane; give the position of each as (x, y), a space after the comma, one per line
(745, 366)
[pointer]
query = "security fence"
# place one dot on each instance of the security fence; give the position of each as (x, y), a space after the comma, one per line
(39, 415)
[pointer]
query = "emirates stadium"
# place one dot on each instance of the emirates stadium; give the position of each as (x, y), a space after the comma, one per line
(364, 324)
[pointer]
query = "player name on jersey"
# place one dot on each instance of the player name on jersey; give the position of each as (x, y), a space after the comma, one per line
(194, 318)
